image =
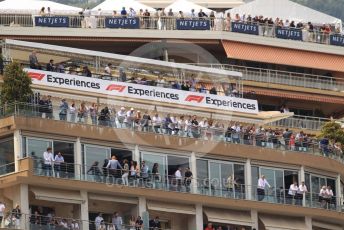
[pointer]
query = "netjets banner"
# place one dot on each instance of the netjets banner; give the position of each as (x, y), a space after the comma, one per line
(245, 28)
(52, 21)
(122, 22)
(291, 33)
(137, 91)
(193, 24)
(337, 40)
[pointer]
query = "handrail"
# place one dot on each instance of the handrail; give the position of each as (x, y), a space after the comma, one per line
(215, 187)
(274, 139)
(283, 77)
(168, 23)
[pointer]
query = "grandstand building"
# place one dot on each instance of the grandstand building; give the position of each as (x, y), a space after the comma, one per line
(242, 176)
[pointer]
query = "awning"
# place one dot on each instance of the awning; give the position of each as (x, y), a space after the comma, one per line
(55, 195)
(222, 216)
(173, 208)
(326, 225)
(283, 56)
(294, 95)
(272, 222)
(115, 199)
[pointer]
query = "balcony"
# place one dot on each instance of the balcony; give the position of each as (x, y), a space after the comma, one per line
(213, 134)
(171, 23)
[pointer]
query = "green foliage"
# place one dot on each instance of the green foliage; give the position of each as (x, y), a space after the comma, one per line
(16, 86)
(333, 131)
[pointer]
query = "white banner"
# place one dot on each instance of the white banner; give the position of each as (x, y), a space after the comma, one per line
(75, 82)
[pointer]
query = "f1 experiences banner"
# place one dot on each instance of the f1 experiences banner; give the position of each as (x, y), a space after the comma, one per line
(52, 21)
(129, 90)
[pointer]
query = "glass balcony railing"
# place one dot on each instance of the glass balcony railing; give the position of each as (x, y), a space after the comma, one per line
(49, 221)
(214, 187)
(172, 23)
(7, 168)
(270, 139)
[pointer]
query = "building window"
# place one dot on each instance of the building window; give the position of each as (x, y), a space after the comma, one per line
(6, 156)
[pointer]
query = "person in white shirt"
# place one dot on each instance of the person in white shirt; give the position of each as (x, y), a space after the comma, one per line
(329, 196)
(107, 69)
(48, 162)
(57, 164)
(129, 120)
(132, 13)
(72, 112)
(74, 225)
(121, 116)
(236, 129)
(322, 196)
(293, 189)
(156, 122)
(301, 193)
(178, 176)
(2, 212)
(181, 126)
(98, 220)
(262, 183)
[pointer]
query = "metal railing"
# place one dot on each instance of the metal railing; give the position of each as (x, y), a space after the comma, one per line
(217, 132)
(165, 23)
(215, 187)
(50, 221)
(282, 77)
(301, 122)
(7, 168)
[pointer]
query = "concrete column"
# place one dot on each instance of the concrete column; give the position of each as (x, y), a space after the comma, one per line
(193, 169)
(338, 192)
(136, 156)
(18, 153)
(142, 205)
(308, 222)
(248, 180)
(21, 197)
(78, 159)
(302, 178)
(84, 210)
(199, 216)
(254, 218)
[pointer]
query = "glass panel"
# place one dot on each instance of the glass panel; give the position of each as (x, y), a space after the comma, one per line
(255, 177)
(202, 174)
(35, 149)
(151, 159)
(270, 177)
(6, 156)
(174, 162)
(226, 171)
(122, 154)
(96, 153)
(239, 174)
(67, 151)
(332, 183)
(214, 183)
(315, 189)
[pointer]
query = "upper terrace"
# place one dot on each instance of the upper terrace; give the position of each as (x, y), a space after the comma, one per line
(173, 28)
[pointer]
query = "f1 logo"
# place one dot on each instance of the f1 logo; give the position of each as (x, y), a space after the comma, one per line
(37, 76)
(195, 98)
(118, 88)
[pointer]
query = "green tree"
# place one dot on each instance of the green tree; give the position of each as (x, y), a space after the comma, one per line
(333, 131)
(16, 86)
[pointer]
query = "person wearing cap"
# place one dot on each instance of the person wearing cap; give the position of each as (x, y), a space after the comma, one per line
(132, 13)
(129, 120)
(121, 114)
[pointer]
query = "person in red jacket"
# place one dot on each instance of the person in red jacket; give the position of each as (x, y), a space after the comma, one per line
(209, 227)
